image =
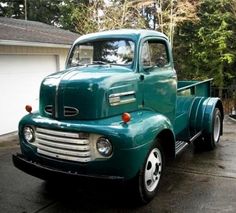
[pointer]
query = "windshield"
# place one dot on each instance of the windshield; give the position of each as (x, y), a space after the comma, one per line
(117, 52)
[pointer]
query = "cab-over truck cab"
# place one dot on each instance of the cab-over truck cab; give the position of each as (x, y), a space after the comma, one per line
(117, 112)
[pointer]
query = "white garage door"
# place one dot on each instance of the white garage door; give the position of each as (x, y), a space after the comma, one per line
(20, 78)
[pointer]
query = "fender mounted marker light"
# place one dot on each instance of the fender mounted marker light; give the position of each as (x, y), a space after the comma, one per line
(126, 117)
(28, 108)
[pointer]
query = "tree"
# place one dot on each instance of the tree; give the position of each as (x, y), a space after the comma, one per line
(184, 51)
(37, 10)
(98, 16)
(14, 9)
(171, 13)
(44, 11)
(209, 49)
(75, 16)
(122, 15)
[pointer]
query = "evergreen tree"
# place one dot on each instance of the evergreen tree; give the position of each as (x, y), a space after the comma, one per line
(206, 49)
(14, 9)
(37, 10)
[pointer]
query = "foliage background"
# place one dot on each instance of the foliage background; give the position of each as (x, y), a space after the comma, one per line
(202, 32)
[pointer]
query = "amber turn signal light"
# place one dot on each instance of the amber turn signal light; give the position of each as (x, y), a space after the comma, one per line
(126, 117)
(28, 108)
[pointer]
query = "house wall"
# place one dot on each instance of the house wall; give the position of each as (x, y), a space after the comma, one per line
(60, 53)
(22, 69)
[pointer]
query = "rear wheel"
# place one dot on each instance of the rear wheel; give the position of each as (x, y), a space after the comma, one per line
(209, 140)
(148, 179)
(212, 139)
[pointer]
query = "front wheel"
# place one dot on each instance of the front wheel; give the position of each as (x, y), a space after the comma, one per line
(150, 175)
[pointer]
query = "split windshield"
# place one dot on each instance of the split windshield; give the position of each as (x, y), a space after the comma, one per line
(114, 52)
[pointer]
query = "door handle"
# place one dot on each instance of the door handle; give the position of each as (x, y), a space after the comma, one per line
(141, 77)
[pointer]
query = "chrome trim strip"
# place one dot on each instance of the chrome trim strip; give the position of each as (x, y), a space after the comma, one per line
(64, 152)
(57, 91)
(122, 94)
(48, 106)
(116, 99)
(64, 157)
(127, 101)
(56, 96)
(63, 146)
(63, 140)
(57, 133)
(70, 108)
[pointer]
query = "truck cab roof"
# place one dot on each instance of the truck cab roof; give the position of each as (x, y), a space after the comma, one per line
(133, 34)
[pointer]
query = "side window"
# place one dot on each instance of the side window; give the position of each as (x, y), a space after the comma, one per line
(146, 58)
(154, 54)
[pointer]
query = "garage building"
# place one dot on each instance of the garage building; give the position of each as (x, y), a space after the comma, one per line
(29, 51)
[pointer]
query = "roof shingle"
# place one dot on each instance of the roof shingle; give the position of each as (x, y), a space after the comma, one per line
(32, 31)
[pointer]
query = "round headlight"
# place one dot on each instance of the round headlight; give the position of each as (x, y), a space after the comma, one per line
(104, 147)
(29, 134)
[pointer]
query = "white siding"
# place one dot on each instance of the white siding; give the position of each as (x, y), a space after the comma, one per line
(61, 53)
(20, 78)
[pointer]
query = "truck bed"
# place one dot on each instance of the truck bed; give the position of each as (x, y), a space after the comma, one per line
(188, 92)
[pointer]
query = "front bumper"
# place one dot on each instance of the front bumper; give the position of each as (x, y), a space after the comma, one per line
(48, 173)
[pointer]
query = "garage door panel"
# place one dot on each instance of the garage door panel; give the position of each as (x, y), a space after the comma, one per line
(20, 79)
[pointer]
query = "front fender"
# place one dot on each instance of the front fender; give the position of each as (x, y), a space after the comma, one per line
(131, 141)
(141, 133)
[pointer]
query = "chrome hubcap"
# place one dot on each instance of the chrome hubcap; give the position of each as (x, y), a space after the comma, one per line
(153, 170)
(216, 134)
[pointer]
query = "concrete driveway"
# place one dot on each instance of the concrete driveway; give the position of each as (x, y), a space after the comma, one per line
(194, 182)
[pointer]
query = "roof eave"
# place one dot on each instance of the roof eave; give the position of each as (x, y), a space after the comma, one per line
(33, 44)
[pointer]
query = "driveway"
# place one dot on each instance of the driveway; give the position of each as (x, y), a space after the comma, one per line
(194, 182)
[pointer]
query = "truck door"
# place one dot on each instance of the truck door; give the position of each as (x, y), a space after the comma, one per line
(158, 76)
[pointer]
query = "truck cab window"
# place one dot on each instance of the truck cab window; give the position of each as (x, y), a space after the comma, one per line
(113, 51)
(154, 54)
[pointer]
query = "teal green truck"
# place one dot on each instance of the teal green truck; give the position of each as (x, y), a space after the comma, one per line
(117, 112)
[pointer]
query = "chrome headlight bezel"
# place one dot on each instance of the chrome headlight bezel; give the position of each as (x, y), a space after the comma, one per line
(29, 134)
(104, 147)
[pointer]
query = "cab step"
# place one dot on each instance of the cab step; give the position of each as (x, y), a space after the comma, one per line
(180, 145)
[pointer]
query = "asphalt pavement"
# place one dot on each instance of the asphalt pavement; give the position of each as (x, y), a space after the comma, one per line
(194, 182)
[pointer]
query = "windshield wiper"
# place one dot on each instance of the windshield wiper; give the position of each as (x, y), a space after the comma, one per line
(76, 64)
(100, 62)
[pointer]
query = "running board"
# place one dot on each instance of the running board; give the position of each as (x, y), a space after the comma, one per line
(195, 137)
(180, 145)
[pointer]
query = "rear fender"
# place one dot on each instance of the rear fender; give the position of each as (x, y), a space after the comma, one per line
(202, 114)
(211, 104)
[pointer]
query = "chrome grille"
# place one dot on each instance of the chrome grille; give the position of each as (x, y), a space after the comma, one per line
(70, 111)
(63, 145)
